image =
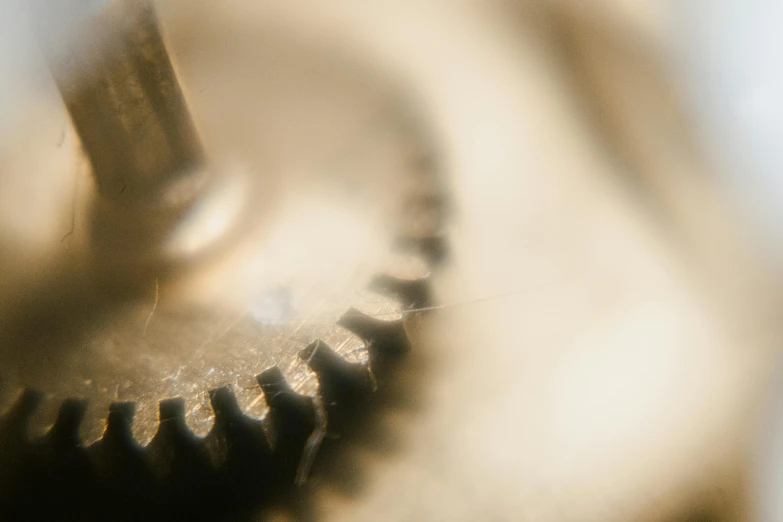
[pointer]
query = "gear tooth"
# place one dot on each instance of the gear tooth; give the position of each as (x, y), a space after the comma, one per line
(239, 446)
(119, 423)
(117, 452)
(412, 293)
(171, 412)
(174, 436)
(67, 480)
(231, 424)
(386, 341)
(16, 420)
(272, 381)
(173, 432)
(122, 466)
(224, 404)
(281, 397)
(319, 356)
(65, 431)
(25, 405)
(293, 417)
(434, 247)
(338, 380)
(181, 463)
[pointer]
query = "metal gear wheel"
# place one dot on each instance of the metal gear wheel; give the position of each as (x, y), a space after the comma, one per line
(221, 372)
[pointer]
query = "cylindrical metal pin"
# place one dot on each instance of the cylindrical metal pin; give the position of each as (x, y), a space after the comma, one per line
(111, 67)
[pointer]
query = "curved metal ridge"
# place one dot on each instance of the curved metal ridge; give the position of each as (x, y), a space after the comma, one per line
(241, 462)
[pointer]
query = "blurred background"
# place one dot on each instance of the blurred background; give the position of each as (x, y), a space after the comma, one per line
(607, 340)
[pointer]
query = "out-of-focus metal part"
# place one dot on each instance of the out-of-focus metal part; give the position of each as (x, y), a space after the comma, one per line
(158, 201)
(123, 97)
(641, 115)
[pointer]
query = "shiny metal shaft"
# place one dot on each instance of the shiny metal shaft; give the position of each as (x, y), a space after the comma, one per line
(111, 66)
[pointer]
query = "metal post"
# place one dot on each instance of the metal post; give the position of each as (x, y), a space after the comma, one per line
(111, 67)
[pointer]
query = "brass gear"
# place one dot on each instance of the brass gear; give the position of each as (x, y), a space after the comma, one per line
(220, 381)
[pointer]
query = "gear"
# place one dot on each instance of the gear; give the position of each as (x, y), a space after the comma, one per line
(193, 429)
(178, 474)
